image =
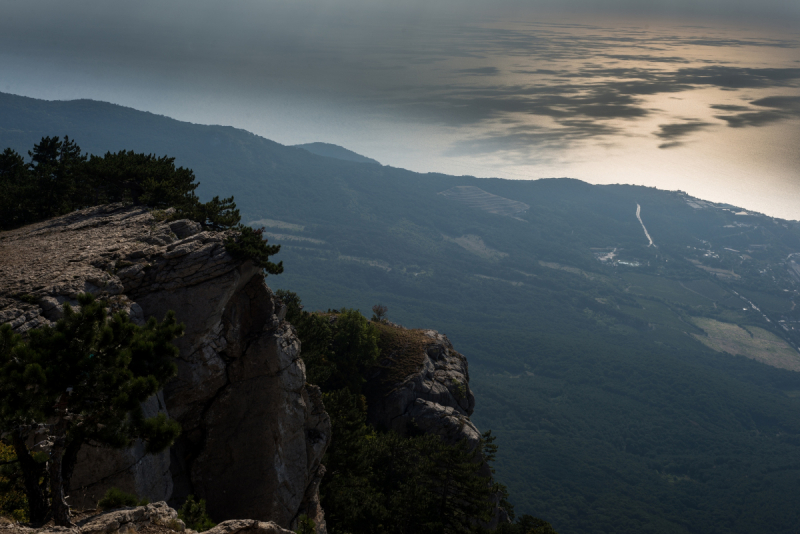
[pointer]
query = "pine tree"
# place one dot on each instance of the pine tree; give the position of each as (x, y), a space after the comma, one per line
(83, 379)
(57, 169)
(15, 209)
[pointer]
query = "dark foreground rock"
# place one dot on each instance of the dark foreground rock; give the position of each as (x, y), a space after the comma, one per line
(156, 518)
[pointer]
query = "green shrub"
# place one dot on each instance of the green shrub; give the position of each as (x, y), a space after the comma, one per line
(13, 502)
(194, 514)
(460, 390)
(116, 498)
(305, 525)
(109, 366)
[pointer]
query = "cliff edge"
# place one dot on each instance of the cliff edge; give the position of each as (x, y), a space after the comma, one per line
(253, 432)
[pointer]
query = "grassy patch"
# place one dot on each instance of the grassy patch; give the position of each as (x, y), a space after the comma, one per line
(475, 245)
(405, 349)
(752, 342)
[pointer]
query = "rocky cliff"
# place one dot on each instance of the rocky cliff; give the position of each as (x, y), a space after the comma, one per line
(253, 432)
(421, 384)
(421, 381)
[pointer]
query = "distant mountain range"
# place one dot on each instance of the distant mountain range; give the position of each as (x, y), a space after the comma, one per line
(632, 388)
(335, 151)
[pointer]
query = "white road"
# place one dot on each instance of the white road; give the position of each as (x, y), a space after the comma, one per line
(639, 216)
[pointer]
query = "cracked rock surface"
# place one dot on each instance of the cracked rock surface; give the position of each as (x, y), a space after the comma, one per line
(253, 433)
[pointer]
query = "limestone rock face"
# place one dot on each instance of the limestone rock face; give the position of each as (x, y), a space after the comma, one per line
(253, 433)
(132, 519)
(131, 470)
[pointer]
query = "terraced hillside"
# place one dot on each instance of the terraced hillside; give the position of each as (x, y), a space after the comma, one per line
(477, 198)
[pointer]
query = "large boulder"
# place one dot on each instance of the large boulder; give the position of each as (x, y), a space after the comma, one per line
(253, 433)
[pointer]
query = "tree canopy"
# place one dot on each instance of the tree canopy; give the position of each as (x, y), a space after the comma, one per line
(59, 179)
(84, 379)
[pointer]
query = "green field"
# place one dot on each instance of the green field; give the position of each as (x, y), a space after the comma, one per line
(752, 342)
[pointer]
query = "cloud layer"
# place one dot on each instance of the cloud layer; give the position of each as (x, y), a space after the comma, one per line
(498, 82)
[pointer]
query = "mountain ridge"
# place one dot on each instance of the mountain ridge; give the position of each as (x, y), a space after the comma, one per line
(330, 150)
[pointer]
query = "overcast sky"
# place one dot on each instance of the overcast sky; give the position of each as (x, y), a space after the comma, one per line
(598, 90)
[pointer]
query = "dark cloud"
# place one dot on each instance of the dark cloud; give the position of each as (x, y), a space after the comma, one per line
(588, 97)
(640, 80)
(737, 77)
(464, 106)
(786, 103)
(537, 71)
(730, 107)
(525, 143)
(784, 107)
(755, 118)
(481, 71)
(581, 80)
(772, 43)
(647, 58)
(671, 133)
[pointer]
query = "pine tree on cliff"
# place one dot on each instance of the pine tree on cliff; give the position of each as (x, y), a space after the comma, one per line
(59, 179)
(83, 379)
(57, 169)
(14, 190)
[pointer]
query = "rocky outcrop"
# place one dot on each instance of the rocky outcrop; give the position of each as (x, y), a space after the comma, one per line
(156, 518)
(123, 521)
(421, 384)
(253, 433)
(248, 526)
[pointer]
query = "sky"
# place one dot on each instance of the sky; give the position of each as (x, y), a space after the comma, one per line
(698, 96)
